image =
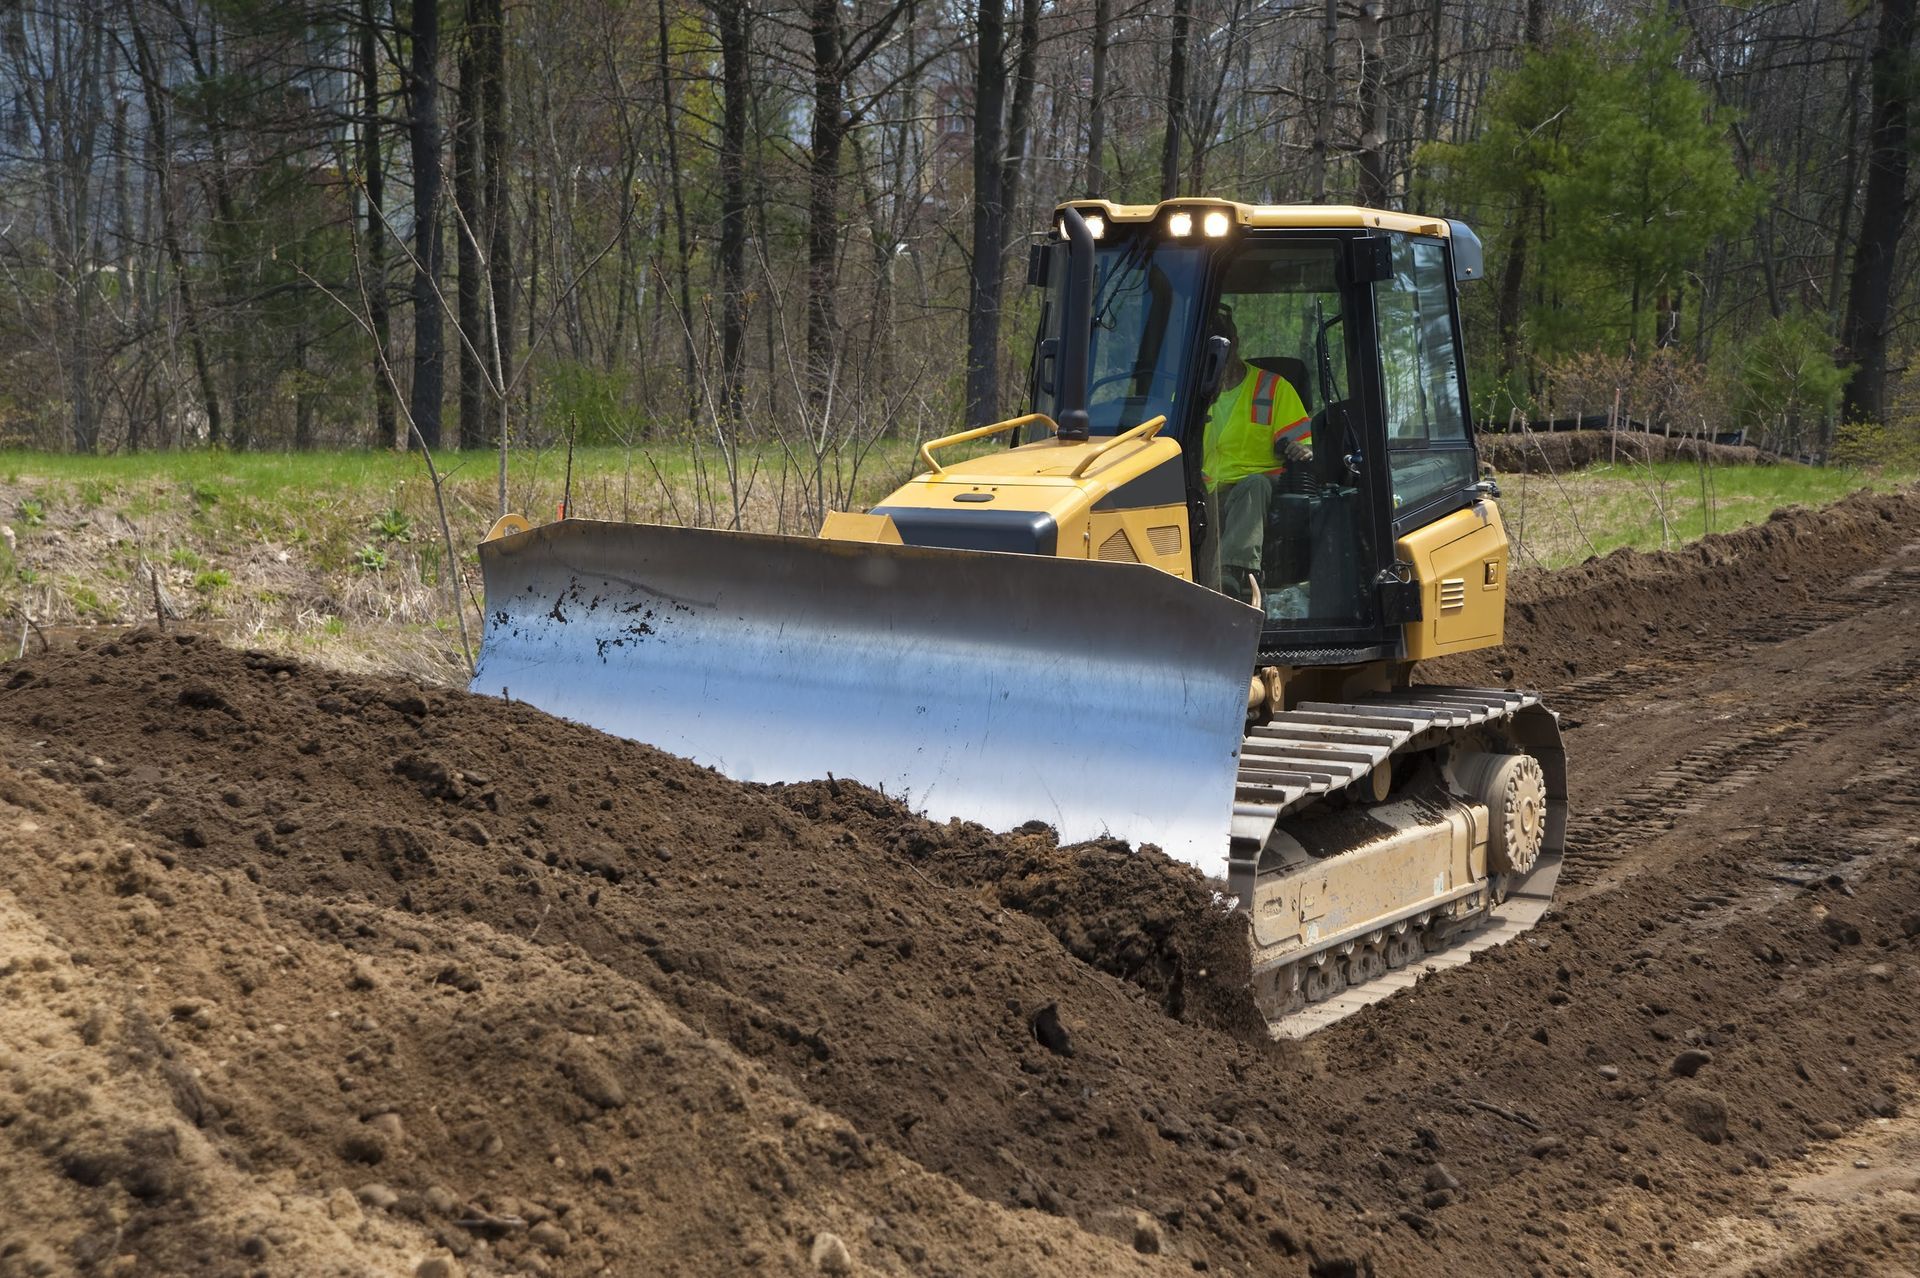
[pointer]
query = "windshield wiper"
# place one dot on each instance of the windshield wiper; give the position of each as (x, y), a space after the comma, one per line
(1109, 288)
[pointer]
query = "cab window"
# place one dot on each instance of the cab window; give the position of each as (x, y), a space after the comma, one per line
(1429, 454)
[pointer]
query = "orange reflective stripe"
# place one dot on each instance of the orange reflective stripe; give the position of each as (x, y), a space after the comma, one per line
(1301, 432)
(1263, 399)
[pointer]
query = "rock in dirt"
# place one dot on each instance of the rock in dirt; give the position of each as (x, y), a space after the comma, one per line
(439, 1267)
(360, 1143)
(829, 1254)
(343, 1206)
(376, 1195)
(550, 1238)
(593, 1080)
(1691, 1062)
(1702, 1112)
(1610, 1072)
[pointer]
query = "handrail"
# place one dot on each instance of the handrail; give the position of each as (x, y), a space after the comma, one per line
(979, 432)
(1145, 430)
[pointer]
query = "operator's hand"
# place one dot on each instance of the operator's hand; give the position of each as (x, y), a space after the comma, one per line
(1297, 453)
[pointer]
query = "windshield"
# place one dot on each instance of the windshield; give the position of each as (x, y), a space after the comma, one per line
(1145, 300)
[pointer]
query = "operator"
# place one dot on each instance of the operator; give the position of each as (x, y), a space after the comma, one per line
(1256, 430)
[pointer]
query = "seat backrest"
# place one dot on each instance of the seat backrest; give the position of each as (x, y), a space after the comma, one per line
(1294, 370)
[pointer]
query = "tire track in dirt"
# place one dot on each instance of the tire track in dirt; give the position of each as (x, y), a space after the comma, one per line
(1775, 726)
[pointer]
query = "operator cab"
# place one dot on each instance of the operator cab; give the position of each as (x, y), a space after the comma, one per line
(1308, 360)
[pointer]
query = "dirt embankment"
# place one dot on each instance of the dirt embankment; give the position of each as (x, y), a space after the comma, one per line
(308, 970)
(1629, 604)
(1556, 452)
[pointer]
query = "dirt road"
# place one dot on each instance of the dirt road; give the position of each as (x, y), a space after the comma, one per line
(303, 972)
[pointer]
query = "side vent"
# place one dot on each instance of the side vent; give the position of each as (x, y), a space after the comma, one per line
(1165, 539)
(1118, 550)
(1453, 594)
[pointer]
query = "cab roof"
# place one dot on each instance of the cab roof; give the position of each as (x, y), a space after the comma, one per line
(1292, 216)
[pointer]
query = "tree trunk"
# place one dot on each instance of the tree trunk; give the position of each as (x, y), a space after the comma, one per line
(498, 212)
(373, 170)
(823, 198)
(989, 219)
(1097, 109)
(1430, 110)
(1329, 100)
(735, 88)
(681, 256)
(423, 128)
(1019, 119)
(1372, 151)
(469, 226)
(150, 89)
(1176, 100)
(1883, 216)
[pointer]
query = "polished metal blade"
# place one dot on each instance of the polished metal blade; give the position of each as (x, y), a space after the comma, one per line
(1099, 698)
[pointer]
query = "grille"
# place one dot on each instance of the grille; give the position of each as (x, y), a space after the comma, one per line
(1453, 593)
(1118, 550)
(1165, 539)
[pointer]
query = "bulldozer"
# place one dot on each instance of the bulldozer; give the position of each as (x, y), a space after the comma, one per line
(1180, 601)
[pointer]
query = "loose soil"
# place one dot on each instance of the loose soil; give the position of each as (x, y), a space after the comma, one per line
(308, 972)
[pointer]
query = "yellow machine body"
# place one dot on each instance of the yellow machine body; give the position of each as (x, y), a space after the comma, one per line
(1459, 561)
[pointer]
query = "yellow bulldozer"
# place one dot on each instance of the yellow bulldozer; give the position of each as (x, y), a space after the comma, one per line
(1183, 605)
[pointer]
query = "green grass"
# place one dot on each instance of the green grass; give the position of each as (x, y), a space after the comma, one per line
(1556, 522)
(341, 497)
(342, 553)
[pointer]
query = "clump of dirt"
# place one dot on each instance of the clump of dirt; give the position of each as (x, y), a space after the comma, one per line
(1154, 922)
(1556, 452)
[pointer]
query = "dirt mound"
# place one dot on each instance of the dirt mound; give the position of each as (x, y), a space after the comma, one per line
(1151, 921)
(1630, 604)
(877, 980)
(243, 1078)
(1556, 452)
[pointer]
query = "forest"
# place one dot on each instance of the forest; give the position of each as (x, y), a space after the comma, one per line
(285, 224)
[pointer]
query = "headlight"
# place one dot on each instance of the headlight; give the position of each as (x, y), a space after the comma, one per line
(1216, 223)
(1096, 226)
(1180, 223)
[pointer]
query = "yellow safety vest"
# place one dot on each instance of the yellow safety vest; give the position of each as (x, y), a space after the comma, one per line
(1250, 427)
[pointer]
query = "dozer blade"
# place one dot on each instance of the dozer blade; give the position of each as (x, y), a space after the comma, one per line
(1002, 688)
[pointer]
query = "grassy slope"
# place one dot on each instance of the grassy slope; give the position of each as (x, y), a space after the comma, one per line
(339, 555)
(1556, 521)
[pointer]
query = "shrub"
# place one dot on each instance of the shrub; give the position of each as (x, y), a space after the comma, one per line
(393, 525)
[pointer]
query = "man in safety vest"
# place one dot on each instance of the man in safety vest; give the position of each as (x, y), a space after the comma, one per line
(1256, 430)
